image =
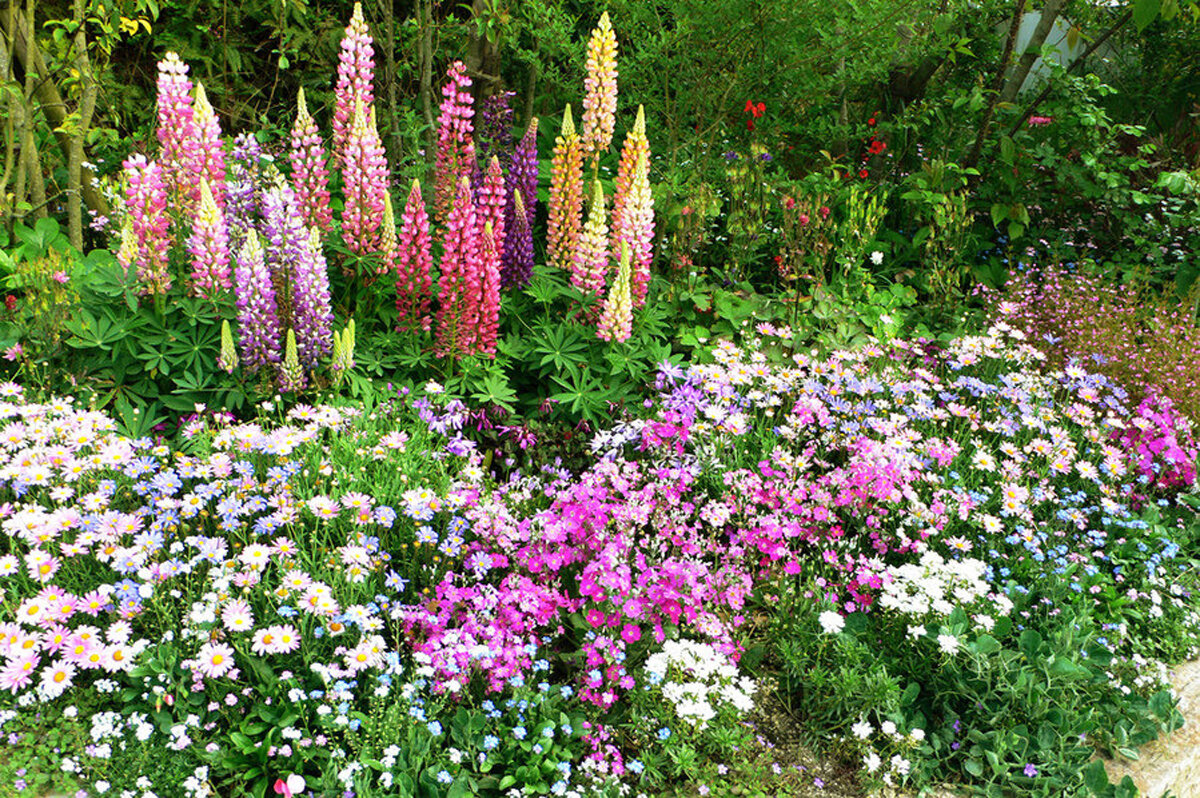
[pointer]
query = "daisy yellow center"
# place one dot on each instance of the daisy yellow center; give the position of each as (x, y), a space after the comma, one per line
(60, 676)
(218, 659)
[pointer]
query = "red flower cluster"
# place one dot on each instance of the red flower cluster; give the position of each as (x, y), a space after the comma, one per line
(755, 112)
(874, 147)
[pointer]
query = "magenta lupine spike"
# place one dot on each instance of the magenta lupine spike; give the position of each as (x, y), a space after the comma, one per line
(566, 196)
(616, 320)
(633, 208)
(355, 81)
(366, 177)
(310, 172)
(209, 153)
(456, 147)
(489, 293)
(590, 267)
(209, 247)
(600, 87)
(522, 183)
(312, 310)
(458, 290)
(146, 204)
(176, 126)
(258, 315)
(414, 264)
(490, 202)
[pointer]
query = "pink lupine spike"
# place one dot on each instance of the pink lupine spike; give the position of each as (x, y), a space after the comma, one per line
(489, 293)
(146, 203)
(459, 290)
(355, 81)
(566, 197)
(310, 172)
(490, 202)
(414, 264)
(633, 207)
(209, 247)
(456, 147)
(176, 125)
(590, 267)
(600, 86)
(366, 177)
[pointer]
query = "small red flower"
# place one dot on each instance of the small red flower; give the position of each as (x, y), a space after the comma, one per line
(10, 302)
(877, 147)
(871, 122)
(749, 124)
(862, 173)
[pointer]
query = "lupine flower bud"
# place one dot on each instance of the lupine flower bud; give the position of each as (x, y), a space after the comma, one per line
(389, 245)
(591, 259)
(356, 75)
(146, 203)
(209, 153)
(600, 86)
(228, 359)
(310, 174)
(209, 247)
(414, 264)
(291, 374)
(458, 291)
(522, 185)
(616, 320)
(456, 147)
(258, 315)
(566, 196)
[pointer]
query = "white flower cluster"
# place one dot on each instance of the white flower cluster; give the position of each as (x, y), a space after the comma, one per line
(935, 585)
(696, 679)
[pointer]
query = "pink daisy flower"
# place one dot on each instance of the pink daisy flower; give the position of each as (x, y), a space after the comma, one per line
(237, 616)
(214, 660)
(18, 673)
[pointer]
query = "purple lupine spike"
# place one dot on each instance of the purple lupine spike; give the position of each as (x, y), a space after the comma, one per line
(312, 311)
(284, 243)
(258, 317)
(518, 247)
(522, 179)
(494, 131)
(243, 186)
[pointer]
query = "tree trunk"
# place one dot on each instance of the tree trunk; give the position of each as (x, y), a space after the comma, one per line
(87, 106)
(997, 84)
(394, 144)
(49, 100)
(425, 56)
(1032, 51)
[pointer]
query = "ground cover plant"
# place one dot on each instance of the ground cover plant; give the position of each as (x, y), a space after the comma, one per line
(545, 462)
(319, 594)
